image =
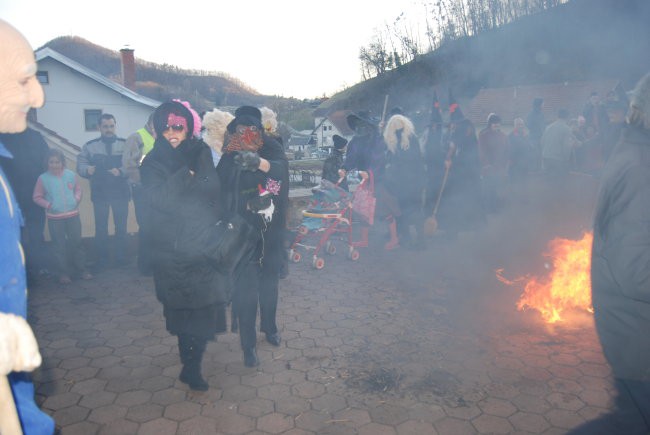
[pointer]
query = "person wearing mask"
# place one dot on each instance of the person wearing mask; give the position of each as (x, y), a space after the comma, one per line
(137, 146)
(620, 278)
(19, 90)
(100, 160)
(255, 174)
(183, 191)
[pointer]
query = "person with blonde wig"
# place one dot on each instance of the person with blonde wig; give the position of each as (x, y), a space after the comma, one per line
(404, 179)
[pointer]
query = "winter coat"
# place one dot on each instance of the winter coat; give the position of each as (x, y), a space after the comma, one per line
(366, 153)
(493, 152)
(405, 175)
(270, 251)
(620, 262)
(182, 204)
(104, 157)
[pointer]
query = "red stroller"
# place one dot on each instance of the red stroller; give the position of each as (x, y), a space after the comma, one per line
(329, 213)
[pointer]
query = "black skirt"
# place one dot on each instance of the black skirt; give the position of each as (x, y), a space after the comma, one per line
(202, 322)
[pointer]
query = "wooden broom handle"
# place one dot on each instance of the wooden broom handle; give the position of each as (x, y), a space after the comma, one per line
(442, 188)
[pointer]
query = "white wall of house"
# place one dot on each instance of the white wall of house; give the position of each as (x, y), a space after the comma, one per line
(69, 93)
(324, 132)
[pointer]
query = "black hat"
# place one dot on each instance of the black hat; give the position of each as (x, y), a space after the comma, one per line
(436, 116)
(246, 115)
(339, 142)
(363, 117)
(395, 111)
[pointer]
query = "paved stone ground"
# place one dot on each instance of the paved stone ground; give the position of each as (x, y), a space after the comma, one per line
(400, 342)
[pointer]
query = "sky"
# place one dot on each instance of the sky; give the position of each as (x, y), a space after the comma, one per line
(289, 48)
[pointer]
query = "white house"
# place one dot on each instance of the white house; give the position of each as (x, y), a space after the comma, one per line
(76, 96)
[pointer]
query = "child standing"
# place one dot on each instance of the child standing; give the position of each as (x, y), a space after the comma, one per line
(59, 193)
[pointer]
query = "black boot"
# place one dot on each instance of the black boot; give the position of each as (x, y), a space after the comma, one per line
(191, 351)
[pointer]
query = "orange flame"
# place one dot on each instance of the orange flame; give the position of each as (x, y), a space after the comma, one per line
(567, 287)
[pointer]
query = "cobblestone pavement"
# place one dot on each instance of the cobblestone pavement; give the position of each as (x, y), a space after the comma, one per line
(400, 342)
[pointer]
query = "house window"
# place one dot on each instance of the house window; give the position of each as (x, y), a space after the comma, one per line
(43, 77)
(91, 119)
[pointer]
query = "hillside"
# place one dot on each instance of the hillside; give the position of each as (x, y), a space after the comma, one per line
(580, 40)
(161, 82)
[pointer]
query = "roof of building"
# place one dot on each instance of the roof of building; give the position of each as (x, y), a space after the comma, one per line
(126, 92)
(516, 101)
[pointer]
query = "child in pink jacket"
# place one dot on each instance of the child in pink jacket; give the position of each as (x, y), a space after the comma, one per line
(59, 193)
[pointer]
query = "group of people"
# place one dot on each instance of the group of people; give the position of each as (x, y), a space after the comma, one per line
(469, 174)
(183, 192)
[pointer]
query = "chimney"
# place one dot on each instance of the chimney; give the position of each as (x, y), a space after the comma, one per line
(128, 68)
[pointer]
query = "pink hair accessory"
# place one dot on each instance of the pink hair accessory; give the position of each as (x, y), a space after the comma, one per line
(197, 118)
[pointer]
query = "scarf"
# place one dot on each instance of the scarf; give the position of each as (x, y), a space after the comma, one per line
(248, 140)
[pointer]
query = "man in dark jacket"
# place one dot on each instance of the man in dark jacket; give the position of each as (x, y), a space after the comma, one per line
(620, 275)
(100, 161)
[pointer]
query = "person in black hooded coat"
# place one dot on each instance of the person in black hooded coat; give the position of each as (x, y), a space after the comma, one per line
(183, 192)
(254, 172)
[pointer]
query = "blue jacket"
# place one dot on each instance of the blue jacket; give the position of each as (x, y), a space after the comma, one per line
(13, 299)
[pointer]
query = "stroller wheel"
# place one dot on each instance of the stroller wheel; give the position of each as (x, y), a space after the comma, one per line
(354, 254)
(330, 248)
(295, 256)
(303, 230)
(318, 263)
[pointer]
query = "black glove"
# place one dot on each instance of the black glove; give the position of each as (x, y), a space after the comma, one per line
(248, 160)
(259, 203)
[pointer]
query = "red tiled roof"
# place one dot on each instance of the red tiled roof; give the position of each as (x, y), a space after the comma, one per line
(515, 102)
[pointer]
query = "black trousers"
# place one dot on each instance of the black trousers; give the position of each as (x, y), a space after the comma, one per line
(269, 283)
(120, 208)
(142, 218)
(631, 416)
(255, 283)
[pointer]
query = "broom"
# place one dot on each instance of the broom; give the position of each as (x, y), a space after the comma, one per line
(431, 223)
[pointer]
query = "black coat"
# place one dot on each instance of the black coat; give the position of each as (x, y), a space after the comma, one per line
(270, 251)
(182, 204)
(620, 262)
(331, 168)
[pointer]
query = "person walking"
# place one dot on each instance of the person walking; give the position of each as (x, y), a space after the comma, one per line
(100, 160)
(183, 191)
(404, 178)
(255, 174)
(334, 162)
(58, 192)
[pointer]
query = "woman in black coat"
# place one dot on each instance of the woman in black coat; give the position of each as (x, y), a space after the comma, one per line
(183, 191)
(254, 173)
